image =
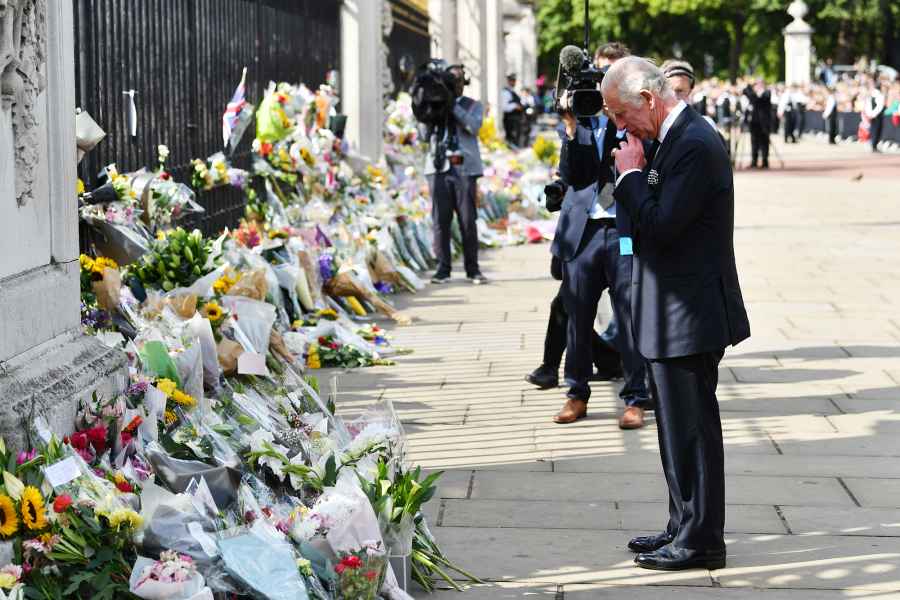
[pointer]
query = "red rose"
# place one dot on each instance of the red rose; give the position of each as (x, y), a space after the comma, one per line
(334, 345)
(322, 340)
(97, 437)
(339, 568)
(62, 503)
(79, 440)
(371, 575)
(265, 149)
(124, 487)
(165, 176)
(352, 562)
(126, 438)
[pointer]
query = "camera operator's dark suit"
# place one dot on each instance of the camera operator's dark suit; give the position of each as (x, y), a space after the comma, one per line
(454, 188)
(589, 250)
(687, 308)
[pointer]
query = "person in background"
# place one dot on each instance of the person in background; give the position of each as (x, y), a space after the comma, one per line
(760, 121)
(787, 112)
(454, 184)
(830, 115)
(874, 109)
(513, 111)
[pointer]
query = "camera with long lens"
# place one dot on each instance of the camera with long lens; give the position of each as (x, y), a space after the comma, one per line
(554, 193)
(434, 93)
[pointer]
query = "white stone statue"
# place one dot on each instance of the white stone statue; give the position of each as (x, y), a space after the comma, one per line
(23, 53)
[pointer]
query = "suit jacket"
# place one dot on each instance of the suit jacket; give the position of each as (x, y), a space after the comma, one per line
(761, 116)
(686, 297)
(581, 167)
(468, 114)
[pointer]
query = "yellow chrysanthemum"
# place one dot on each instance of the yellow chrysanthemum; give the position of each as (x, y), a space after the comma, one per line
(9, 521)
(87, 263)
(224, 283)
(170, 417)
(166, 386)
(212, 311)
(34, 513)
(307, 157)
(125, 516)
(182, 399)
(102, 262)
(79, 186)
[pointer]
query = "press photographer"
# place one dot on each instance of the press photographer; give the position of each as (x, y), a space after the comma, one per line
(454, 161)
(592, 244)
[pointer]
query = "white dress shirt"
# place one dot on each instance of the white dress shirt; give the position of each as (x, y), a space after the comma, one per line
(663, 131)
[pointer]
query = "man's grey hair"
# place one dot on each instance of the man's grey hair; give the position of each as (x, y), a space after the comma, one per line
(632, 74)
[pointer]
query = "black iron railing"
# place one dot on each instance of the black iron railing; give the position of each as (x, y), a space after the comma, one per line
(184, 59)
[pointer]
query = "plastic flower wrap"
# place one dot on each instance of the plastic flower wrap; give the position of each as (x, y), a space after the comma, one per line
(173, 577)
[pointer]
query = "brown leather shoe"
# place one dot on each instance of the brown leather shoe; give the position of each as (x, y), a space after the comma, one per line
(572, 411)
(632, 418)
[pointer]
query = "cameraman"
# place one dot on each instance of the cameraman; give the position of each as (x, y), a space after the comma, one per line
(454, 186)
(595, 257)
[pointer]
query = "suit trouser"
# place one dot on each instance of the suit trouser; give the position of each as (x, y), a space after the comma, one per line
(512, 123)
(605, 355)
(759, 145)
(832, 127)
(453, 192)
(691, 448)
(790, 124)
(598, 266)
(875, 129)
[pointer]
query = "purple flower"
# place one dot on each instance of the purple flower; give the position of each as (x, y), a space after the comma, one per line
(139, 387)
(379, 340)
(326, 267)
(384, 288)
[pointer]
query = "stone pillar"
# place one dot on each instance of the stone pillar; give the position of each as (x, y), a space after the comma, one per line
(471, 44)
(797, 46)
(46, 364)
(521, 42)
(495, 56)
(442, 29)
(361, 75)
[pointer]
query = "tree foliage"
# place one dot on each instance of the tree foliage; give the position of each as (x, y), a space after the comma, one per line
(720, 37)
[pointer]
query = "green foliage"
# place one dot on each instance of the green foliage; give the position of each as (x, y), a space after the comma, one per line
(739, 36)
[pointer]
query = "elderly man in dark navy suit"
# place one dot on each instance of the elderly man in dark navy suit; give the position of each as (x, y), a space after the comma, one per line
(686, 300)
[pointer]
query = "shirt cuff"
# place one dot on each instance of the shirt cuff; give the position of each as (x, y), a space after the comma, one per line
(622, 175)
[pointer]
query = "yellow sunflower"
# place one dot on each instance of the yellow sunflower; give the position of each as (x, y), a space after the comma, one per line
(166, 386)
(9, 521)
(212, 311)
(34, 513)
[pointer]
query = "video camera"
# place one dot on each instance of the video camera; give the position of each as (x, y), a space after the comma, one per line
(434, 92)
(577, 78)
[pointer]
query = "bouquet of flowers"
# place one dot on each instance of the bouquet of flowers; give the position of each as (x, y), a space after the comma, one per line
(546, 150)
(176, 259)
(214, 172)
(361, 572)
(173, 577)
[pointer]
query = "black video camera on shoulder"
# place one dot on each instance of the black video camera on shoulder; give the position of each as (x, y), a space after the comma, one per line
(577, 81)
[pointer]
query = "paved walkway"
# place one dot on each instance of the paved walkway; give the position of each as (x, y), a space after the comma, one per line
(809, 404)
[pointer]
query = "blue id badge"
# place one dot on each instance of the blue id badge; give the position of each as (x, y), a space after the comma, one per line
(625, 248)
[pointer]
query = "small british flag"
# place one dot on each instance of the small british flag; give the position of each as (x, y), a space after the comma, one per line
(234, 108)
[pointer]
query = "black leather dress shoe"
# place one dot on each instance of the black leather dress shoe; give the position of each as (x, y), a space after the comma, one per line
(649, 543)
(671, 558)
(543, 378)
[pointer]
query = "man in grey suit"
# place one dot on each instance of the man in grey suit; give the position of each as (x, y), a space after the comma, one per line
(454, 183)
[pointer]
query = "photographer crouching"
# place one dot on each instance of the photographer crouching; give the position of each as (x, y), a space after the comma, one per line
(592, 239)
(454, 164)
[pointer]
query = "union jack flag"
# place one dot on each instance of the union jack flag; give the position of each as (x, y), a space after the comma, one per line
(234, 108)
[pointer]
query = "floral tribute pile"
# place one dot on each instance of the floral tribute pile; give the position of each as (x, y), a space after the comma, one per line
(219, 471)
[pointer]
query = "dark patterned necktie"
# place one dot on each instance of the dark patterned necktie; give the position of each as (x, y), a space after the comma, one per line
(652, 155)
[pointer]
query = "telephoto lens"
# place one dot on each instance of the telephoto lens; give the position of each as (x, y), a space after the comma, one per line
(554, 193)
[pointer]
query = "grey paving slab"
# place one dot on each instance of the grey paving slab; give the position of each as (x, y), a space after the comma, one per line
(875, 492)
(812, 562)
(655, 592)
(537, 555)
(819, 520)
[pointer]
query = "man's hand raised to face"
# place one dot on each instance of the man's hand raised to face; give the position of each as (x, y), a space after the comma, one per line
(629, 155)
